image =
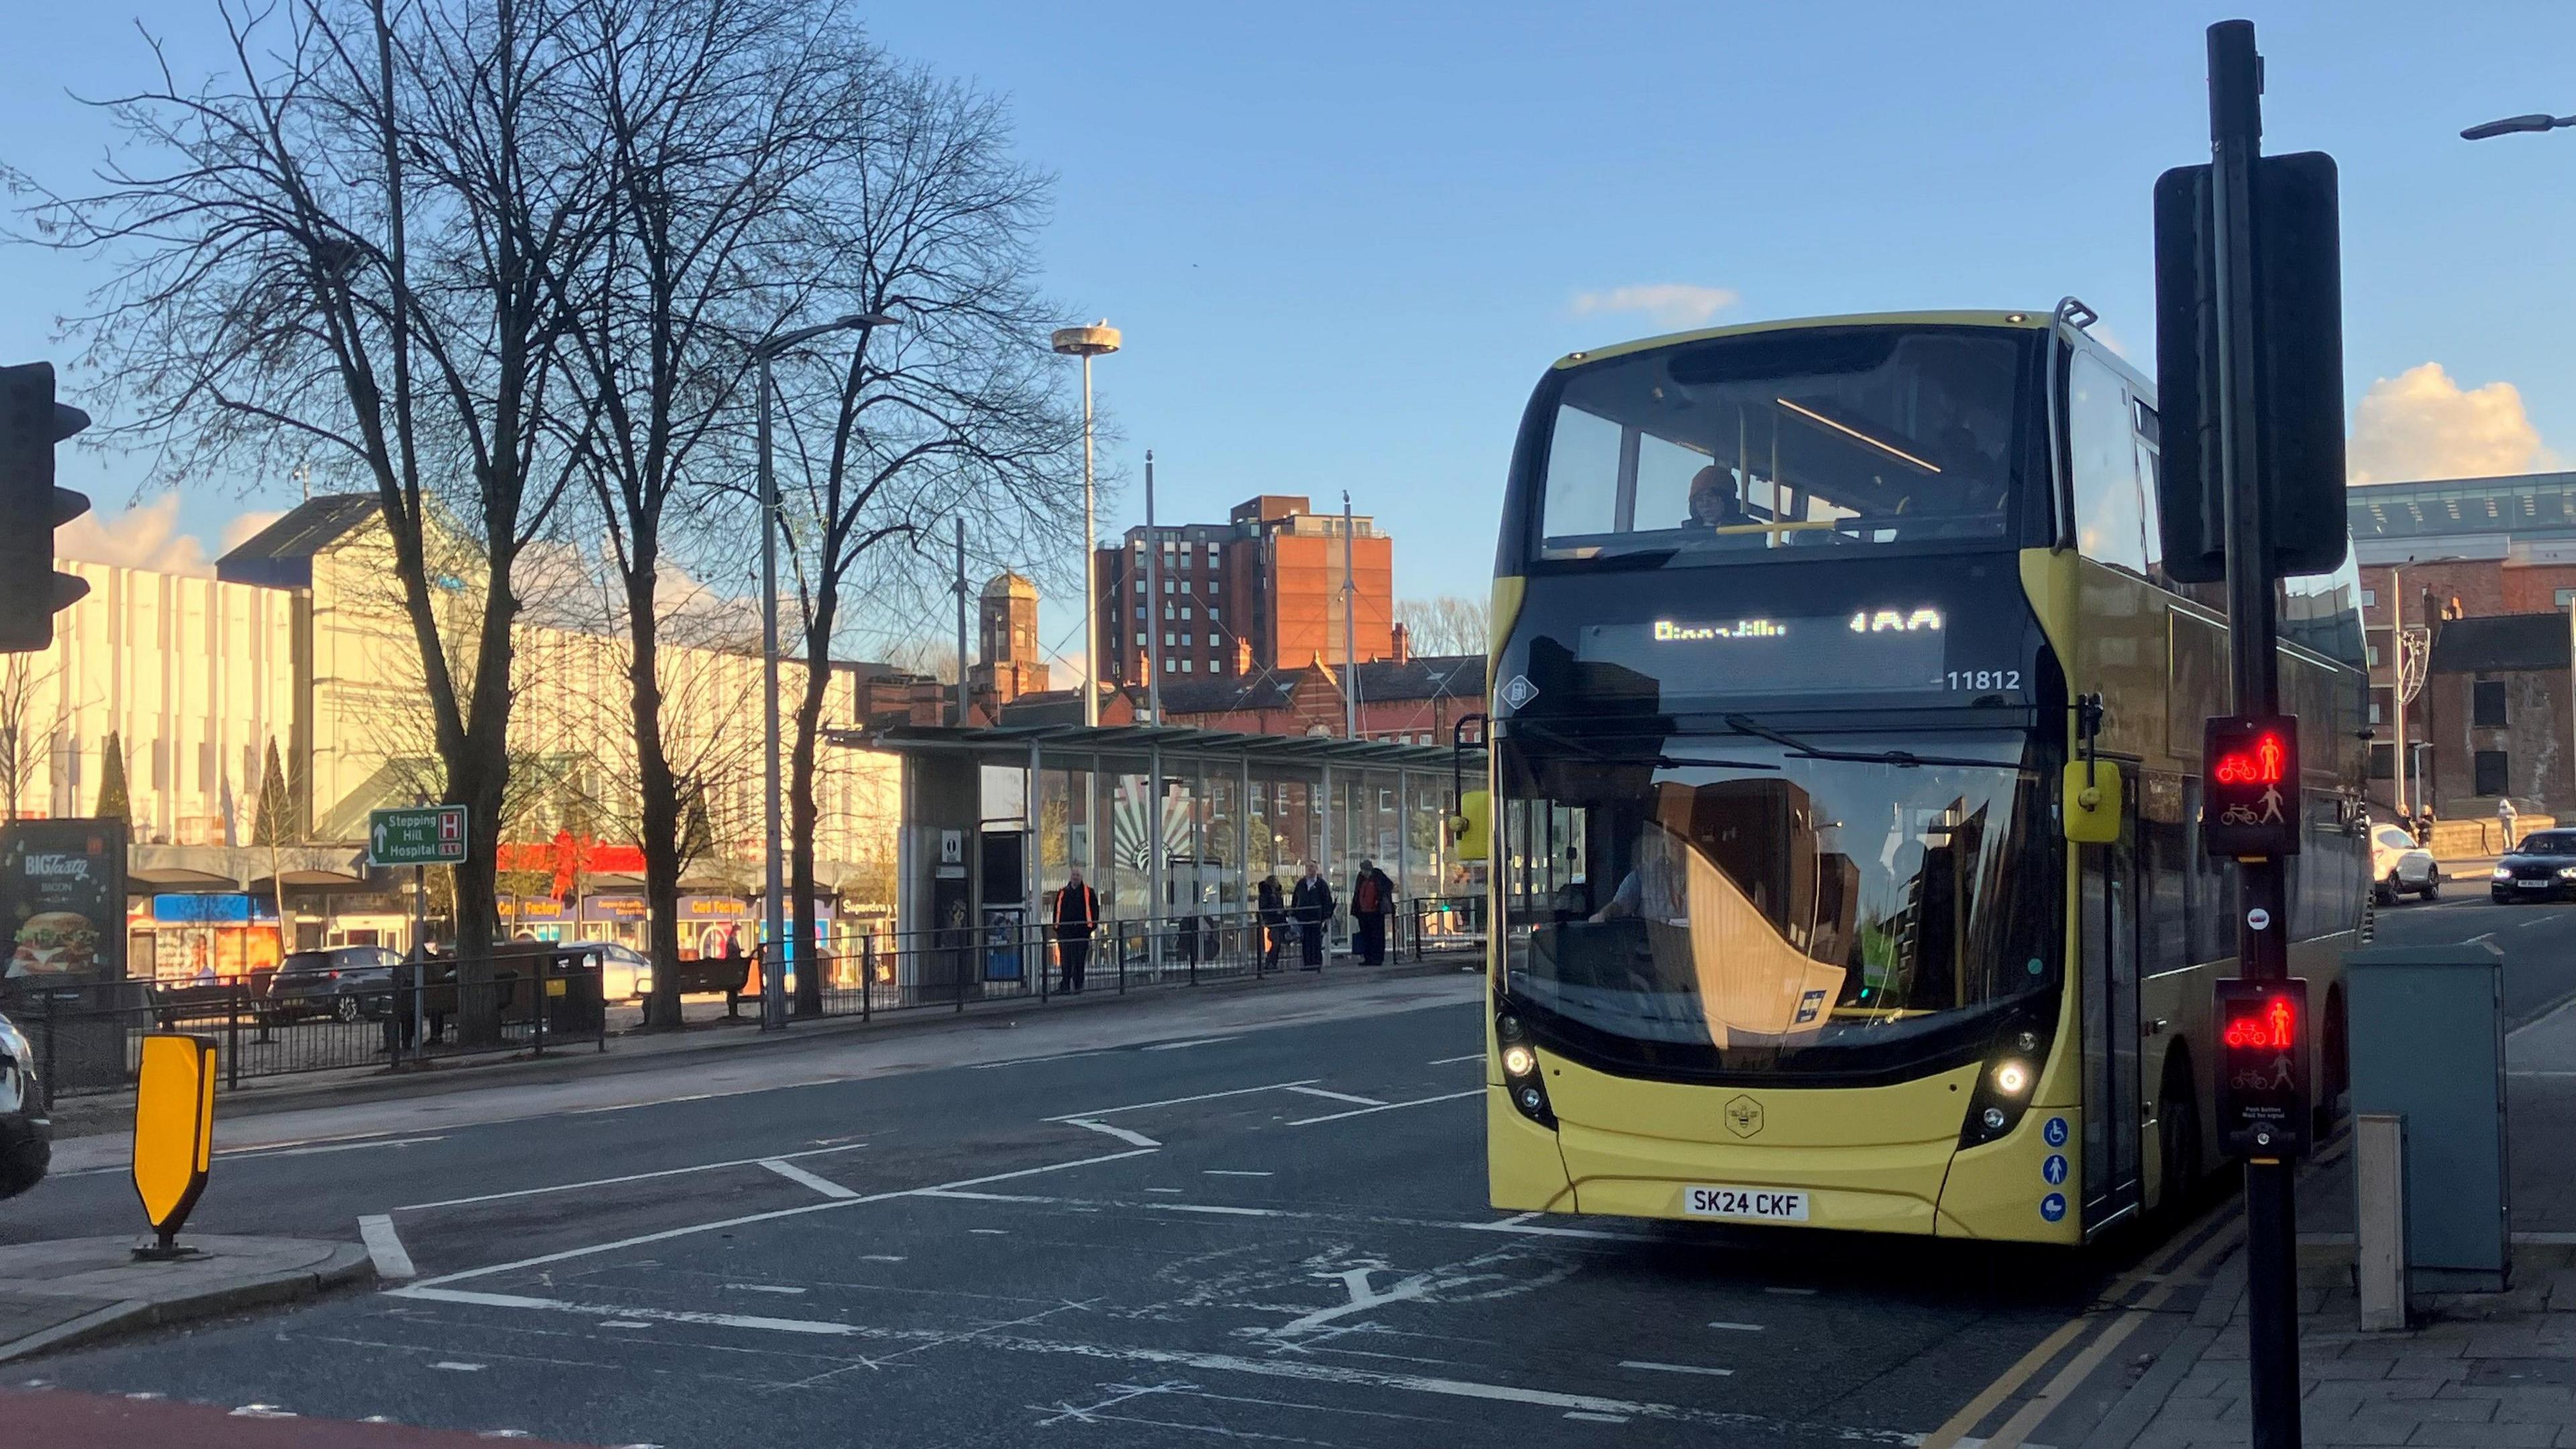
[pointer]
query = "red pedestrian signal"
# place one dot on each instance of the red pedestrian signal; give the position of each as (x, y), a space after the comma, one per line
(2263, 1066)
(2249, 799)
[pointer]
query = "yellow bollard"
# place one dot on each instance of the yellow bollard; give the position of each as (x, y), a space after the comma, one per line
(174, 1133)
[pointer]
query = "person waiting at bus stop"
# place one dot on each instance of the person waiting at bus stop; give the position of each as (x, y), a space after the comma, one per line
(1312, 903)
(1271, 905)
(1372, 896)
(1076, 915)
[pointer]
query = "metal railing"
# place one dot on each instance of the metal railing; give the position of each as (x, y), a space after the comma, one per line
(88, 1038)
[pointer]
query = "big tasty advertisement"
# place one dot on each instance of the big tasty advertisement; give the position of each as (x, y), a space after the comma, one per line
(62, 901)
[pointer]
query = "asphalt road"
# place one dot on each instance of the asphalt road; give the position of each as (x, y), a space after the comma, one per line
(1275, 1235)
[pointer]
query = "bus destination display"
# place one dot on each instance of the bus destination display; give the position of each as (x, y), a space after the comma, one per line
(1897, 649)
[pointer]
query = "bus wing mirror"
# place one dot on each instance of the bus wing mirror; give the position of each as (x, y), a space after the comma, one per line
(2091, 799)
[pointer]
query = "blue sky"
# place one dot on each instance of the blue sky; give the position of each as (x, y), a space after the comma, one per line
(1344, 239)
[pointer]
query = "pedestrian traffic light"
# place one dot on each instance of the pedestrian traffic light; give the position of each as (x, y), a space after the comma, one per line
(31, 507)
(2263, 1066)
(2298, 368)
(2249, 789)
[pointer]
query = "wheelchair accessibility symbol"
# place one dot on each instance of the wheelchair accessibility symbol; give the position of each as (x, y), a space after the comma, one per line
(2055, 1132)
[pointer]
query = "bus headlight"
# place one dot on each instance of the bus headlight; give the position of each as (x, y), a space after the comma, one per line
(2009, 1078)
(1522, 1081)
(2013, 1078)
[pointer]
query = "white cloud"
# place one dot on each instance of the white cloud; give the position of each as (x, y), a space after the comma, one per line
(239, 529)
(2422, 424)
(1669, 304)
(146, 537)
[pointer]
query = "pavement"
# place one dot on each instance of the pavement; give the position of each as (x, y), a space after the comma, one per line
(73, 1290)
(1247, 1216)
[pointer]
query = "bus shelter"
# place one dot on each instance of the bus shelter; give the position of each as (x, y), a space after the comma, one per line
(1168, 824)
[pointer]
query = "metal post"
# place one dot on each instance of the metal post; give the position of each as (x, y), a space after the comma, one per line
(773, 966)
(1155, 911)
(962, 697)
(2397, 676)
(1324, 858)
(1092, 626)
(1350, 632)
(867, 974)
(420, 953)
(1033, 951)
(2235, 135)
(1155, 608)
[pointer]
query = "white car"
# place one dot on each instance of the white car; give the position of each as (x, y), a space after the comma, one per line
(625, 974)
(2398, 866)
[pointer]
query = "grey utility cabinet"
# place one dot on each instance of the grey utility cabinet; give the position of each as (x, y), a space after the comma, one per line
(2425, 1026)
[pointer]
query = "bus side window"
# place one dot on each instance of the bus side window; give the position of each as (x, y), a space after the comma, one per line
(2149, 444)
(2110, 514)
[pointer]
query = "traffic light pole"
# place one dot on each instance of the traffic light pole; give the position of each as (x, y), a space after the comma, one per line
(2271, 1248)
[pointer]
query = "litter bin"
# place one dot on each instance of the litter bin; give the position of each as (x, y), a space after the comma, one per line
(2425, 1030)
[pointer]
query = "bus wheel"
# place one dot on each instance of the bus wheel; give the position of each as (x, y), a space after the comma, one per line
(2178, 1120)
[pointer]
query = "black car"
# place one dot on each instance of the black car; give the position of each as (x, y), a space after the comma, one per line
(26, 1132)
(2541, 868)
(348, 982)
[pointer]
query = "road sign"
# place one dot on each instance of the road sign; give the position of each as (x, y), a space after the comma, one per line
(174, 1131)
(2263, 1066)
(423, 835)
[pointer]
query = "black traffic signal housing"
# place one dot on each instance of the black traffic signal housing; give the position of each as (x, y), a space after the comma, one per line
(2263, 1062)
(31, 507)
(2298, 368)
(2249, 786)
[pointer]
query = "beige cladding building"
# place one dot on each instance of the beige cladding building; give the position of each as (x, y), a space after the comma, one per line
(301, 644)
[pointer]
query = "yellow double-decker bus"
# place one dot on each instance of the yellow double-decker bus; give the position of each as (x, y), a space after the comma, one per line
(1799, 915)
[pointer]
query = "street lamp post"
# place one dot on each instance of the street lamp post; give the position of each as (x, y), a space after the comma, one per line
(773, 961)
(2510, 125)
(1097, 340)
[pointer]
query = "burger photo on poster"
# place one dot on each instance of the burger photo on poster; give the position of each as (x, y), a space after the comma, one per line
(55, 943)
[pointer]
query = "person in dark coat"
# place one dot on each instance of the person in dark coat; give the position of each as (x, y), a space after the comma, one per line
(1372, 896)
(1271, 905)
(1076, 915)
(1312, 904)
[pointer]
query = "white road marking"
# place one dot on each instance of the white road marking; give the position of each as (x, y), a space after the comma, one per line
(384, 1245)
(666, 1234)
(1301, 1370)
(1388, 1107)
(1739, 1327)
(1174, 1046)
(1231, 1172)
(1178, 1101)
(1133, 1139)
(991, 1232)
(1591, 1418)
(455, 1367)
(989, 1196)
(763, 1288)
(1793, 1292)
(1449, 1061)
(1026, 1061)
(1162, 1189)
(1340, 1096)
(321, 1147)
(1535, 1230)
(881, 1258)
(1209, 1207)
(1676, 1368)
(625, 1323)
(824, 1185)
(448, 1202)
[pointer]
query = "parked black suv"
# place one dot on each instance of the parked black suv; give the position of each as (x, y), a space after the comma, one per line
(348, 982)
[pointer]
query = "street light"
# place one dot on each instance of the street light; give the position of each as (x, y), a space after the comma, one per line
(2511, 124)
(773, 961)
(1097, 340)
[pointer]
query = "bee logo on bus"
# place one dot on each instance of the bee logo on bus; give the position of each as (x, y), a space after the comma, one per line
(1744, 1117)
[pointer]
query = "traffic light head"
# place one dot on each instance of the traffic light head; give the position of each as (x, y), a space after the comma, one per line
(2263, 1063)
(31, 507)
(2249, 789)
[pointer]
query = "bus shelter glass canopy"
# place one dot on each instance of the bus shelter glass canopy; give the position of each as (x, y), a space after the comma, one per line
(1163, 821)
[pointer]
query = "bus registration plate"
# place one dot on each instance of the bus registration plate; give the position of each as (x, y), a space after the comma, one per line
(1769, 1204)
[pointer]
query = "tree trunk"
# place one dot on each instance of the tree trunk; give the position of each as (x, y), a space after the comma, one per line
(802, 816)
(661, 815)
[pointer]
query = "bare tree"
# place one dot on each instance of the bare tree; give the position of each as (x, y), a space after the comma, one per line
(350, 243)
(31, 712)
(1449, 624)
(716, 118)
(959, 411)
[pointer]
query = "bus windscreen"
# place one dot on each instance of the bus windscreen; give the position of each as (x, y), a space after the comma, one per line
(1820, 438)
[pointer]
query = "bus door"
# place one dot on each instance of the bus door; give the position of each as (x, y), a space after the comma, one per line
(2110, 940)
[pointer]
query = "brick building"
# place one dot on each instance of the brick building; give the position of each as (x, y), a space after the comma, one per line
(1261, 591)
(2483, 572)
(1403, 700)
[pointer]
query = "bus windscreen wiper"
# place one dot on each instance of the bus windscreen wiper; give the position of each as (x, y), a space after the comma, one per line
(1904, 759)
(1592, 751)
